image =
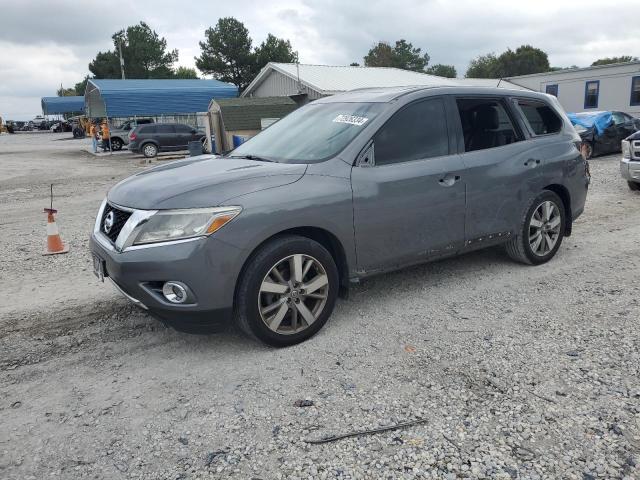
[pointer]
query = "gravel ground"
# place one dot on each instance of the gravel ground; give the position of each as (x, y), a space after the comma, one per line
(513, 371)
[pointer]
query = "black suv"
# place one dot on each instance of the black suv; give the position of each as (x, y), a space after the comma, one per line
(162, 137)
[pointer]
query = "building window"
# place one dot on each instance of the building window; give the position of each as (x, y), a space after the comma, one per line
(591, 91)
(635, 91)
(552, 90)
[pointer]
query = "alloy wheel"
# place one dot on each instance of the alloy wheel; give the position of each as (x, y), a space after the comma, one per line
(544, 228)
(293, 294)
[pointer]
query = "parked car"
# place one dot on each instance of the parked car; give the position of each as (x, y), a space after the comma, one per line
(630, 162)
(345, 187)
(120, 135)
(162, 137)
(603, 132)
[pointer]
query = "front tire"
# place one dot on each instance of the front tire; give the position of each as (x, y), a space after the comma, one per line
(541, 230)
(287, 291)
(634, 185)
(149, 150)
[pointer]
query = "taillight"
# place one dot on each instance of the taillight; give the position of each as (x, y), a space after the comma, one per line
(132, 136)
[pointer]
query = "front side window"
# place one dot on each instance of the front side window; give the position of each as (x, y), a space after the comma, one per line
(552, 90)
(417, 131)
(591, 91)
(485, 124)
(618, 118)
(541, 118)
(635, 91)
(312, 133)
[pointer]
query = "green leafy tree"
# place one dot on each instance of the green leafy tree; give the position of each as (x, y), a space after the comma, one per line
(66, 92)
(81, 86)
(609, 60)
(186, 73)
(483, 66)
(144, 52)
(448, 71)
(524, 60)
(403, 55)
(226, 53)
(354, 64)
(273, 49)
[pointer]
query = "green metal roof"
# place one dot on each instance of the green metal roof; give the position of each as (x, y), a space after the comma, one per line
(245, 113)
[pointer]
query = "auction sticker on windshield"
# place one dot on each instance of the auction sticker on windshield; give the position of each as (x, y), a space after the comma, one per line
(350, 119)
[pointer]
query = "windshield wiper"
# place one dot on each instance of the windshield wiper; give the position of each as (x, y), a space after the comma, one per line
(252, 157)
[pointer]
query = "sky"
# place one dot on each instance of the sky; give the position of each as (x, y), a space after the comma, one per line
(45, 44)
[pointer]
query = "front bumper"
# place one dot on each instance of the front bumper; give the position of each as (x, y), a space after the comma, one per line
(208, 267)
(630, 170)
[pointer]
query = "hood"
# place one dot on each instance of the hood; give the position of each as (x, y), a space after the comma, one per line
(203, 181)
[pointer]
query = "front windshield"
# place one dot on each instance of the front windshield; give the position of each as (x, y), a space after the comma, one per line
(312, 133)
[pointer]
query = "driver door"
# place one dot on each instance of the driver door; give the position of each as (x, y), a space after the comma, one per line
(408, 190)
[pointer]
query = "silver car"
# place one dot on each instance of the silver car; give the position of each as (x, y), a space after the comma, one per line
(346, 187)
(630, 162)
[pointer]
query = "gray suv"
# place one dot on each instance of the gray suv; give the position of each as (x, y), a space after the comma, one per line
(348, 186)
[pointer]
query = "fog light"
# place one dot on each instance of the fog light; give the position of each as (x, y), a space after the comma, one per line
(175, 292)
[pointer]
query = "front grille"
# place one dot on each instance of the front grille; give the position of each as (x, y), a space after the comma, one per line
(120, 217)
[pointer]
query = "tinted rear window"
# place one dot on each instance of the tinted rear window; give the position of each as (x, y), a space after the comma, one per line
(542, 119)
(183, 129)
(165, 129)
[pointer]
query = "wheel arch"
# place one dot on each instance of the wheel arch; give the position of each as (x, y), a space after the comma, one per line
(325, 238)
(565, 196)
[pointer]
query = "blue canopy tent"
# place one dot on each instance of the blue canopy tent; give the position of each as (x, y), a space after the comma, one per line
(130, 98)
(60, 105)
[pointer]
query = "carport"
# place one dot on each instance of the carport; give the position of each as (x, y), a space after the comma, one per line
(131, 98)
(61, 105)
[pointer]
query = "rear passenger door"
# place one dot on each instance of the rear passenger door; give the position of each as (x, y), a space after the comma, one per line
(166, 136)
(408, 190)
(184, 135)
(502, 170)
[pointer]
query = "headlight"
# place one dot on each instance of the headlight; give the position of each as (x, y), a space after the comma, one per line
(626, 149)
(167, 225)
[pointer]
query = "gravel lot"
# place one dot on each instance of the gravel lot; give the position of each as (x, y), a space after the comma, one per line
(515, 371)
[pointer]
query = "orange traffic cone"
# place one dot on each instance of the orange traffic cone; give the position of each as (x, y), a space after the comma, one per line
(54, 242)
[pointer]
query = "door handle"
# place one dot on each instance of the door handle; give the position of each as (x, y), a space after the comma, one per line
(532, 162)
(448, 180)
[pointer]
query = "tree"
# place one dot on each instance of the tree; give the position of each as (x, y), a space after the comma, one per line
(524, 60)
(144, 52)
(273, 49)
(447, 71)
(226, 53)
(484, 66)
(403, 55)
(186, 72)
(354, 64)
(81, 86)
(609, 60)
(65, 92)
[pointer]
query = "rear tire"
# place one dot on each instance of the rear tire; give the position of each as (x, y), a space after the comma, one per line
(287, 291)
(116, 144)
(634, 185)
(541, 230)
(149, 150)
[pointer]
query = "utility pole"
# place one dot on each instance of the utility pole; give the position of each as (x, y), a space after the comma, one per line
(121, 59)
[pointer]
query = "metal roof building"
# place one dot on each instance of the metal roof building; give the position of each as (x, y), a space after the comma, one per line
(128, 98)
(58, 105)
(310, 82)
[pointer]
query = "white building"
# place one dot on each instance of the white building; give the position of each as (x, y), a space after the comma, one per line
(308, 82)
(605, 87)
